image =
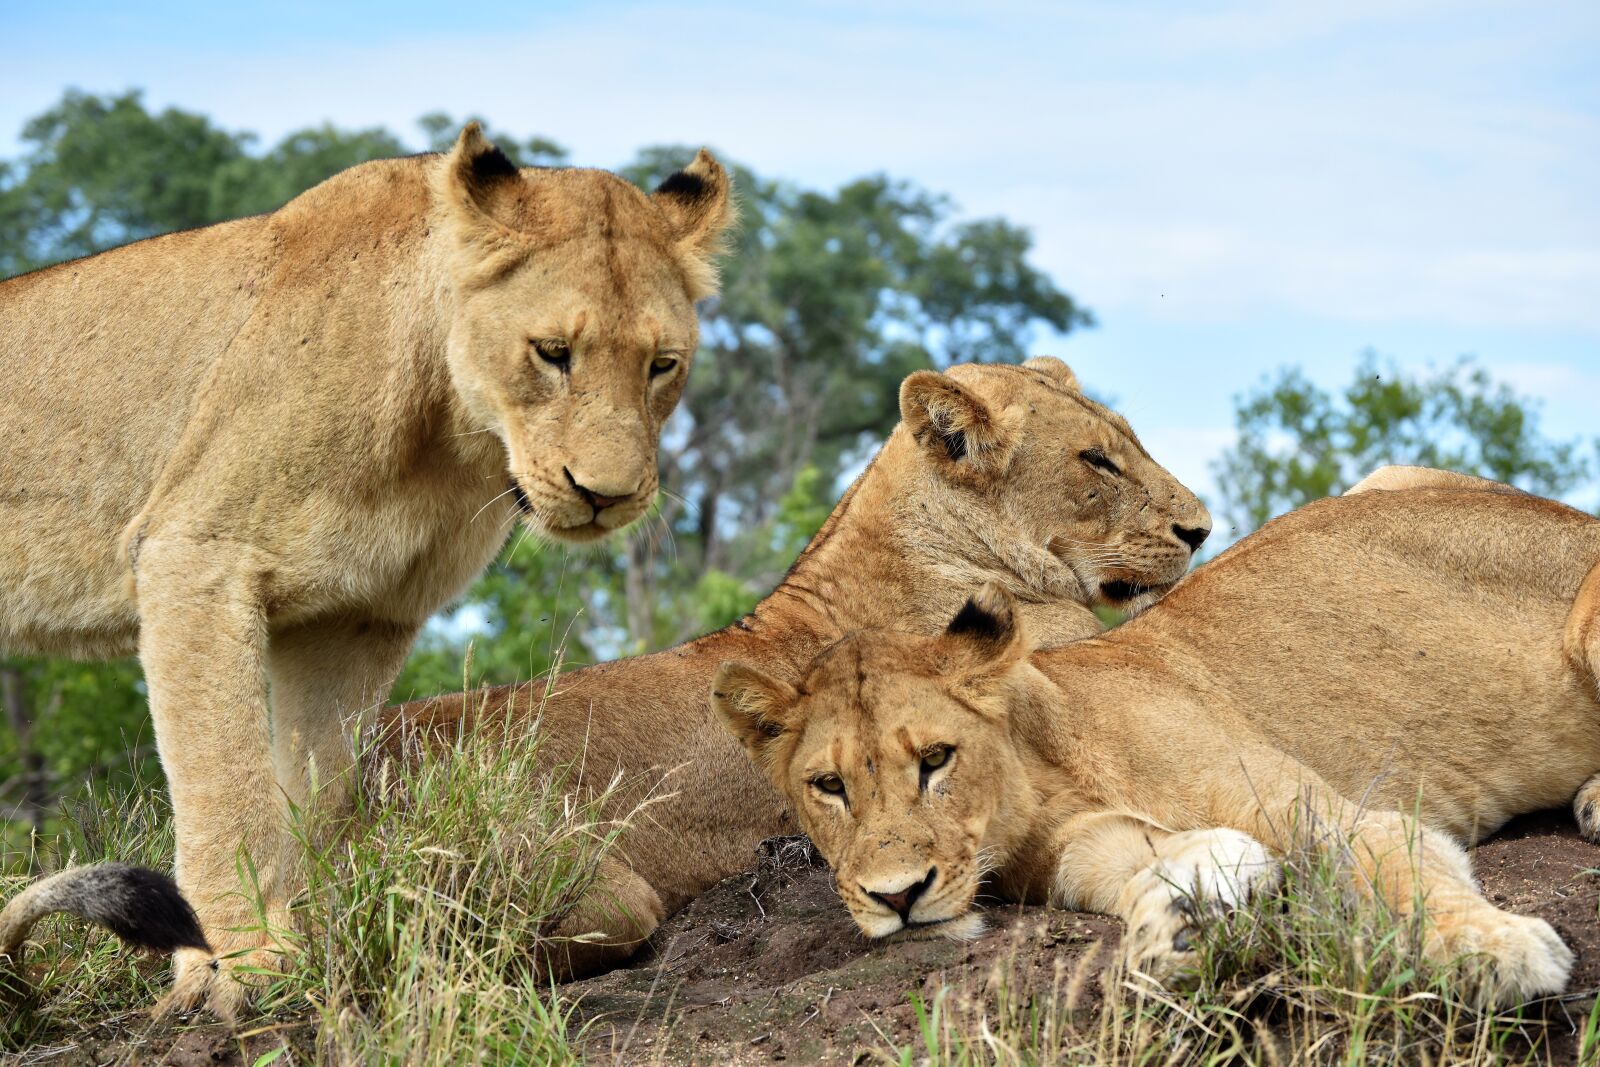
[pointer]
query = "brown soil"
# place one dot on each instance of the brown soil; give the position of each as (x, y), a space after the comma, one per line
(766, 967)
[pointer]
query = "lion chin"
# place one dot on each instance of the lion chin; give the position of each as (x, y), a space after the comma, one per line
(964, 927)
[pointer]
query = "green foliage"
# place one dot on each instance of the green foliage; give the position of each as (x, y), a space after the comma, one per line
(92, 727)
(1299, 442)
(102, 171)
(414, 940)
(719, 599)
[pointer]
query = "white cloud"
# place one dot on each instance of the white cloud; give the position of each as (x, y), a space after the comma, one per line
(1369, 161)
(1560, 383)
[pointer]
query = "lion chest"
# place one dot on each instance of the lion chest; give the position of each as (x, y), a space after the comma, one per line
(400, 555)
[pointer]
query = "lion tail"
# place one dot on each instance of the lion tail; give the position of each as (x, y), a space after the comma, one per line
(140, 906)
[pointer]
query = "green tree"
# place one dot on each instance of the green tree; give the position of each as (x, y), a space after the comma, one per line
(99, 171)
(1298, 442)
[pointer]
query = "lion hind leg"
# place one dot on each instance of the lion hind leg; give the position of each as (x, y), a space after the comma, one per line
(612, 921)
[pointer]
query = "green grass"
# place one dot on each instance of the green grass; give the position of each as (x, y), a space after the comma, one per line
(416, 935)
(414, 941)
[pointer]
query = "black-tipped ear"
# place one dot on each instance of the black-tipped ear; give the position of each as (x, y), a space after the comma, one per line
(477, 184)
(989, 615)
(475, 163)
(1053, 368)
(753, 706)
(699, 206)
(986, 631)
(958, 429)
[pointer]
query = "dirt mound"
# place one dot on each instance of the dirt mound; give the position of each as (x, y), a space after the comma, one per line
(767, 966)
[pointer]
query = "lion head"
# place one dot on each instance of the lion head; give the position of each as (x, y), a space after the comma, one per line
(896, 755)
(573, 321)
(1054, 485)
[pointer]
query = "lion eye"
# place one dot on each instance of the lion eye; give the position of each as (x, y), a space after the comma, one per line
(934, 758)
(663, 364)
(552, 351)
(831, 784)
(1096, 458)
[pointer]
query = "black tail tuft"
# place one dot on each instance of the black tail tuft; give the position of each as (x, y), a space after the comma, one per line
(141, 906)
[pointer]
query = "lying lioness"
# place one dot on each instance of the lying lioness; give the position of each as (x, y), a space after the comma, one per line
(1346, 660)
(996, 473)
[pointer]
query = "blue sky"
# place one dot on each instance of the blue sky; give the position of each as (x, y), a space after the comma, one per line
(1230, 187)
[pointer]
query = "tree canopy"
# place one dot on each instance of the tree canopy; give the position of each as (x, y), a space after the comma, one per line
(1299, 442)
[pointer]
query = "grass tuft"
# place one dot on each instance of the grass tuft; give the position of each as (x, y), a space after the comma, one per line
(1314, 974)
(415, 940)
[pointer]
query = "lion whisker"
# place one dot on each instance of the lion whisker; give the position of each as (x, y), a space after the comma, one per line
(489, 502)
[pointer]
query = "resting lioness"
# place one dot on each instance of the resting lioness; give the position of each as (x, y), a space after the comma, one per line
(1359, 656)
(996, 473)
(264, 452)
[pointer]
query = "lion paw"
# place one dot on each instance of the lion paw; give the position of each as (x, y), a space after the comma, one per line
(1199, 871)
(223, 985)
(1520, 957)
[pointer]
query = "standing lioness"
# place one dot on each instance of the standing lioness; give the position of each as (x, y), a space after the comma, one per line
(264, 452)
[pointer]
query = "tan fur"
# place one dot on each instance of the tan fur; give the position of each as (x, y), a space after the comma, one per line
(271, 448)
(1396, 476)
(911, 536)
(1426, 649)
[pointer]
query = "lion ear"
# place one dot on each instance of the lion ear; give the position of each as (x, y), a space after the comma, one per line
(699, 207)
(956, 428)
(475, 177)
(986, 636)
(754, 707)
(1052, 367)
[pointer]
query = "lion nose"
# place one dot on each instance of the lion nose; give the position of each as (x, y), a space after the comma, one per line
(901, 901)
(593, 497)
(1193, 536)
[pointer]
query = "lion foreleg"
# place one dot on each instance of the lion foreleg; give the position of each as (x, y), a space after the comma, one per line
(327, 677)
(1159, 882)
(1424, 876)
(202, 644)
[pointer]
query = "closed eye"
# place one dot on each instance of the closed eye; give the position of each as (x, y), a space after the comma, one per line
(552, 350)
(1096, 458)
